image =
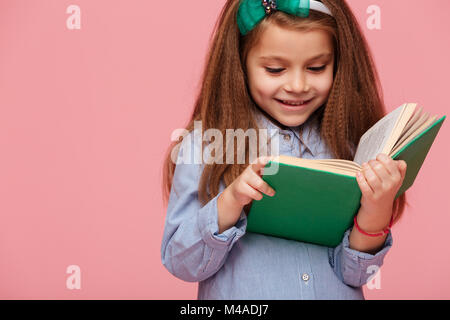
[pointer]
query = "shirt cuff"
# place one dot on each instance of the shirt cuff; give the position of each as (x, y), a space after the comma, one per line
(209, 227)
(356, 267)
(364, 256)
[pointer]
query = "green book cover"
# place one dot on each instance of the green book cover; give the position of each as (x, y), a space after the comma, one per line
(318, 206)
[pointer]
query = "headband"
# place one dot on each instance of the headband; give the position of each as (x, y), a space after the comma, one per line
(251, 12)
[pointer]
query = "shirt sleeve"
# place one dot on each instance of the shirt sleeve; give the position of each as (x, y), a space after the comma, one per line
(192, 249)
(353, 267)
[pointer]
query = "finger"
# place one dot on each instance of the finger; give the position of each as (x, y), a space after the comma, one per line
(256, 182)
(402, 166)
(389, 164)
(372, 179)
(365, 188)
(260, 163)
(250, 192)
(380, 170)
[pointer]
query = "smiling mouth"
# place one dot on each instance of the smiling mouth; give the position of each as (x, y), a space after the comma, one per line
(294, 103)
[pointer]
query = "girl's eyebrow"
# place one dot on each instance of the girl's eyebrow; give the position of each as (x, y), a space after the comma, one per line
(276, 58)
(281, 59)
(322, 55)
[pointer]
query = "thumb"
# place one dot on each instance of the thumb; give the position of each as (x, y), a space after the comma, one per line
(402, 167)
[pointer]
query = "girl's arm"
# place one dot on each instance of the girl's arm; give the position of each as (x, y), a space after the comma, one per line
(353, 267)
(359, 256)
(192, 248)
(379, 182)
(361, 242)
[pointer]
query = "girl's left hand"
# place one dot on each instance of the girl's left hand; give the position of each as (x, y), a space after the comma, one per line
(379, 182)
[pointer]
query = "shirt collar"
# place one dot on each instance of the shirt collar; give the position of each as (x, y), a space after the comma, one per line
(308, 138)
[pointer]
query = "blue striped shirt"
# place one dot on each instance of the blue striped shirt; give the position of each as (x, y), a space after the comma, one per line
(242, 265)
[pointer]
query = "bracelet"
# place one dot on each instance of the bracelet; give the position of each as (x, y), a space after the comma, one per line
(378, 234)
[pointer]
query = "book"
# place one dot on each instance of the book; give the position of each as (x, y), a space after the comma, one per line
(317, 199)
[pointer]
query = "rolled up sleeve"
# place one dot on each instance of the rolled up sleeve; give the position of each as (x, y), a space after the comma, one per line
(209, 227)
(353, 267)
(192, 249)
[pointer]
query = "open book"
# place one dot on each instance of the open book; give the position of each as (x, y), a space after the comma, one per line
(316, 199)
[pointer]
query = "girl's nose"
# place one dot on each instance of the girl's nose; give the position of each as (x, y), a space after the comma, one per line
(297, 83)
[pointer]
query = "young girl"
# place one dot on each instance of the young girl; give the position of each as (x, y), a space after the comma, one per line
(304, 68)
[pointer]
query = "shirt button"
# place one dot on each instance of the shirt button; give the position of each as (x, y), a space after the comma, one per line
(305, 277)
(287, 137)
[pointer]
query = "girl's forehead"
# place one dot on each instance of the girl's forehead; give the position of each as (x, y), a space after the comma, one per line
(286, 43)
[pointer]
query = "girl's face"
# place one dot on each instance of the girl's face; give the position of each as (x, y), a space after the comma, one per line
(290, 73)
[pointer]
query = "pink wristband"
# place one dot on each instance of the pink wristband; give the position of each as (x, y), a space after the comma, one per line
(378, 234)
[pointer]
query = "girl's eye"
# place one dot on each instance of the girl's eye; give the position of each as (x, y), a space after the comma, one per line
(317, 69)
(271, 70)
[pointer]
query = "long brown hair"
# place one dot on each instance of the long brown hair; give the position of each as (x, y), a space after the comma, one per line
(354, 105)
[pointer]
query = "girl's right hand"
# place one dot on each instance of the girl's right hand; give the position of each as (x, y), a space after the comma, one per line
(249, 185)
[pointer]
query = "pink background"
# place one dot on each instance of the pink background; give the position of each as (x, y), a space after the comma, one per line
(86, 117)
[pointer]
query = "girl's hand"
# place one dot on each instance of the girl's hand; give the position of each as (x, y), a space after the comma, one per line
(249, 185)
(245, 188)
(379, 182)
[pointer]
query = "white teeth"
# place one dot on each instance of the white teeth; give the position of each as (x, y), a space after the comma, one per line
(293, 103)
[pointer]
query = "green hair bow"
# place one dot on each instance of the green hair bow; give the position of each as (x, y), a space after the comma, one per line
(251, 12)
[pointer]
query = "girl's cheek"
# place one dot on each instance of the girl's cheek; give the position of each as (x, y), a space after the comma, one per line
(262, 90)
(268, 86)
(324, 84)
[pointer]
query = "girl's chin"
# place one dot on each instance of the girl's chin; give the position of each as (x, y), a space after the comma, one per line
(290, 120)
(292, 123)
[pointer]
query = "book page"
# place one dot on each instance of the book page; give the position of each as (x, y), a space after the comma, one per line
(417, 115)
(429, 122)
(373, 141)
(412, 129)
(314, 164)
(381, 137)
(339, 163)
(399, 128)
